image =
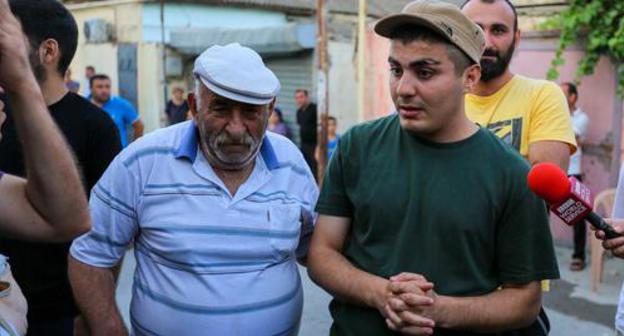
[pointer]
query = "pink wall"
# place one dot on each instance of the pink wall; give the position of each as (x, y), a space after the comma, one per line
(378, 100)
(596, 98)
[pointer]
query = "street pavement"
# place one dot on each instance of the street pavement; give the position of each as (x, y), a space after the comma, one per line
(571, 306)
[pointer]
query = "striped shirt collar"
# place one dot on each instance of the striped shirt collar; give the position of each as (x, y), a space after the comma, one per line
(188, 148)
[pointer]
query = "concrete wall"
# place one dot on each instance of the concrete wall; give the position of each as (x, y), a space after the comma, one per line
(136, 21)
(125, 17)
(378, 100)
(151, 94)
(178, 16)
(343, 85)
(597, 98)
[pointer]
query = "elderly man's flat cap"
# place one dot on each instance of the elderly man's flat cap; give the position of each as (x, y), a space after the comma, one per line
(237, 73)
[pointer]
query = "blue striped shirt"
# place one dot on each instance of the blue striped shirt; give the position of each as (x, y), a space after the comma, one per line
(207, 262)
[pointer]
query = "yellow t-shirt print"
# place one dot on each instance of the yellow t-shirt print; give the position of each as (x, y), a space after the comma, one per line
(524, 111)
(509, 131)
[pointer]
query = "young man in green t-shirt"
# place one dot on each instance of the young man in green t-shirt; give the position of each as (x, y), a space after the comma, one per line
(425, 220)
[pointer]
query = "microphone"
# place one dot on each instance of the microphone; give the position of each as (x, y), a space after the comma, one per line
(569, 199)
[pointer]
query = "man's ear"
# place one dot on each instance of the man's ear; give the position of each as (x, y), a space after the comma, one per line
(49, 52)
(192, 102)
(471, 77)
(272, 106)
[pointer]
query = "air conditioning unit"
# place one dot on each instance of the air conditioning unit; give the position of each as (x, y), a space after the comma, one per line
(98, 31)
(174, 66)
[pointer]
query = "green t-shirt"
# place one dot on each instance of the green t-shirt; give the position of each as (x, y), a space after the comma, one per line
(460, 214)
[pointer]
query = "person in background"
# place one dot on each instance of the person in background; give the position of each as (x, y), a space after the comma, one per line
(71, 84)
(119, 109)
(86, 84)
(308, 129)
(177, 107)
(580, 125)
(277, 124)
(332, 140)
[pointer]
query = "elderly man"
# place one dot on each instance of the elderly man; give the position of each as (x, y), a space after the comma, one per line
(218, 211)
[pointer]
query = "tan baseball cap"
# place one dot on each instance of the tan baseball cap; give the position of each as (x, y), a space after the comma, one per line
(442, 17)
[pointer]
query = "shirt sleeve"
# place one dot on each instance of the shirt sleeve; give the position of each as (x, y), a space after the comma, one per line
(580, 126)
(334, 200)
(524, 245)
(168, 108)
(130, 113)
(104, 144)
(113, 205)
(308, 215)
(550, 117)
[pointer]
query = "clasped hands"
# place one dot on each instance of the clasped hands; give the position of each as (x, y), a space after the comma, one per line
(409, 305)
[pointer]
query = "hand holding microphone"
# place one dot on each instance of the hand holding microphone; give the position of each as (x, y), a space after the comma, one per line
(568, 198)
(616, 246)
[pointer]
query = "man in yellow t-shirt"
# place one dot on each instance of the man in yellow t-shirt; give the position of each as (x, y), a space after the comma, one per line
(531, 115)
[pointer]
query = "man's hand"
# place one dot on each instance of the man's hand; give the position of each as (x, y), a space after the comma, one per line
(14, 64)
(410, 309)
(615, 245)
(381, 293)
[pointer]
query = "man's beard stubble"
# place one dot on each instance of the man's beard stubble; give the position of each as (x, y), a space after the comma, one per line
(37, 67)
(211, 147)
(491, 70)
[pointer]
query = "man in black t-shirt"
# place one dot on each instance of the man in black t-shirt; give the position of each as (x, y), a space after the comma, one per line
(307, 120)
(177, 108)
(41, 269)
(34, 208)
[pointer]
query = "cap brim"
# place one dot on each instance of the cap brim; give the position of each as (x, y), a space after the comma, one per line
(234, 95)
(386, 26)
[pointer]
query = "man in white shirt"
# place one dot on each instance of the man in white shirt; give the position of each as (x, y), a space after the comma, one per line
(219, 212)
(580, 124)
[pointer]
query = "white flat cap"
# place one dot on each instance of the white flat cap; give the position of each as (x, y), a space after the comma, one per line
(237, 73)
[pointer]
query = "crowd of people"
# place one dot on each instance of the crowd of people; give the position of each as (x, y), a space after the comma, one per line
(424, 223)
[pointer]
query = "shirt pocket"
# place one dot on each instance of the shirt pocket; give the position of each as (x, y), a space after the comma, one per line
(285, 226)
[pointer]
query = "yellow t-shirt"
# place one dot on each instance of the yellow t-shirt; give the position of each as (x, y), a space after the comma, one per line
(524, 111)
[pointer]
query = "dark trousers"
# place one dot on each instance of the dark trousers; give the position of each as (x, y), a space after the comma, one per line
(308, 155)
(580, 234)
(61, 327)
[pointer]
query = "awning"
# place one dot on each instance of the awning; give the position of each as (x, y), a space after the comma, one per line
(268, 40)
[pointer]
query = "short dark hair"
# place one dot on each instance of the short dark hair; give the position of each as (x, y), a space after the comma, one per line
(572, 89)
(90, 67)
(305, 92)
(98, 77)
(513, 9)
(332, 118)
(410, 33)
(48, 19)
